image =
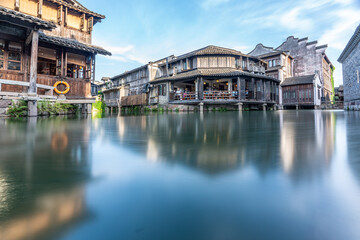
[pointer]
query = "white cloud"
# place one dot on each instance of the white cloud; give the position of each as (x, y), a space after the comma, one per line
(243, 48)
(339, 34)
(213, 3)
(295, 19)
(124, 54)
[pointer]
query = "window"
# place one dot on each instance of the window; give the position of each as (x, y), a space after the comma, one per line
(244, 64)
(46, 61)
(237, 62)
(162, 90)
(270, 63)
(13, 56)
(185, 64)
(2, 53)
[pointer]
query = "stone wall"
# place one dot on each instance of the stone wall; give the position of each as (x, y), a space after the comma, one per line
(4, 104)
(351, 82)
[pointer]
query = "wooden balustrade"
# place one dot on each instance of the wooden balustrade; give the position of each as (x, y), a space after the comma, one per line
(185, 96)
(79, 88)
(220, 95)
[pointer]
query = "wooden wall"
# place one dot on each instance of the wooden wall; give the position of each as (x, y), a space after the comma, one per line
(214, 62)
(50, 13)
(135, 100)
(297, 89)
(7, 3)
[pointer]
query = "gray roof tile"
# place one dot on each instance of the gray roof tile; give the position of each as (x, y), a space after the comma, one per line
(40, 23)
(65, 42)
(308, 79)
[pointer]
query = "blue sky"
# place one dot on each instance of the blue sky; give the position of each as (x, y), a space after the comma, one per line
(139, 31)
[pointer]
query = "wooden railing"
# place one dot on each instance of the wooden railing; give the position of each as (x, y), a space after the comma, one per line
(185, 96)
(79, 88)
(220, 95)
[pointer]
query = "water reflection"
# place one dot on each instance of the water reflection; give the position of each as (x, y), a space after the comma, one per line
(307, 143)
(42, 176)
(193, 176)
(214, 143)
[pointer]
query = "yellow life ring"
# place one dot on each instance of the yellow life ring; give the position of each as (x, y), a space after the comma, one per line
(67, 89)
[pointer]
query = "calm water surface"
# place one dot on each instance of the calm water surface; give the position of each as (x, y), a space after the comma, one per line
(250, 175)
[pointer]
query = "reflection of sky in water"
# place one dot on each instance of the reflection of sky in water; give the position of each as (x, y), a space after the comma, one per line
(279, 175)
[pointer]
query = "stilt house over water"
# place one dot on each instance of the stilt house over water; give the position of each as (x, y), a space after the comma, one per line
(210, 76)
(43, 42)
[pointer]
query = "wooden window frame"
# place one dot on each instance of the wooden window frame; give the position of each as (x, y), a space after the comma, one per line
(60, 14)
(6, 60)
(90, 24)
(82, 22)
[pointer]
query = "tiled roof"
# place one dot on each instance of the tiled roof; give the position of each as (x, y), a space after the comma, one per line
(72, 44)
(73, 4)
(308, 79)
(212, 72)
(26, 18)
(354, 41)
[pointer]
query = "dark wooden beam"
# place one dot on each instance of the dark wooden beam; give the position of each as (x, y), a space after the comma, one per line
(29, 38)
(65, 16)
(33, 61)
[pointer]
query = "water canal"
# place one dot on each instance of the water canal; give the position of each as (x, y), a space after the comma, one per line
(249, 175)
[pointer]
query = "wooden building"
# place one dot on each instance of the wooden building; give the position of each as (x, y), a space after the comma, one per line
(43, 42)
(302, 92)
(212, 76)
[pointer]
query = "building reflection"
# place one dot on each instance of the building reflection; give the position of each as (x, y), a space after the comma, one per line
(307, 142)
(298, 144)
(353, 142)
(209, 142)
(46, 196)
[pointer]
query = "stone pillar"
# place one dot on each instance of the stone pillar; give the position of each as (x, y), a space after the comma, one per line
(240, 106)
(32, 108)
(264, 107)
(32, 92)
(89, 108)
(201, 105)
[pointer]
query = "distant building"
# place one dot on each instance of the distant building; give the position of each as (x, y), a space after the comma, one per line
(298, 57)
(350, 59)
(208, 76)
(339, 93)
(279, 63)
(302, 92)
(309, 59)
